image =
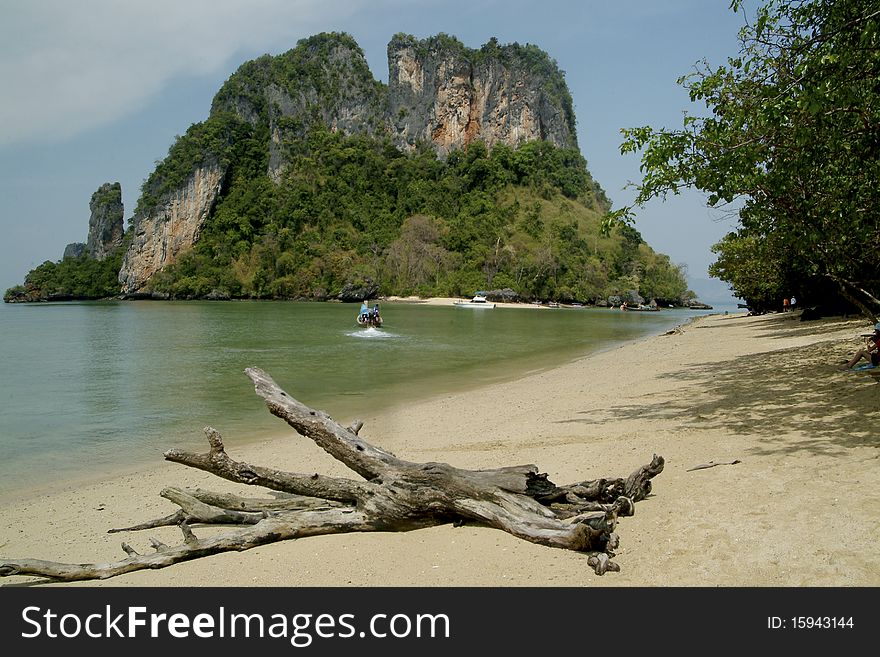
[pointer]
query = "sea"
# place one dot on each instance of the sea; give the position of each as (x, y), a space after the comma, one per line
(91, 389)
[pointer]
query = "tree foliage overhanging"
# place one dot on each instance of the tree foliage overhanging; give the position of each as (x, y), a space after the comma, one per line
(792, 139)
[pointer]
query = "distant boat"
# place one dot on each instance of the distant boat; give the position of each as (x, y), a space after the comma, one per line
(642, 308)
(478, 301)
(369, 316)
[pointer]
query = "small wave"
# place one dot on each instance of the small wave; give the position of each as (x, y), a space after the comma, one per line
(371, 333)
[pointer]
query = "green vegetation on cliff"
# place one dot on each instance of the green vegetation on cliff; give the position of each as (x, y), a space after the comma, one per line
(355, 211)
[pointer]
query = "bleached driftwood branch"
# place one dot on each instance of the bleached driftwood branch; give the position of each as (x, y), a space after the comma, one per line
(393, 495)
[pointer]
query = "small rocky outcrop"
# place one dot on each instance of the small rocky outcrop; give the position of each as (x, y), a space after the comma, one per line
(359, 291)
(630, 297)
(106, 221)
(74, 250)
(106, 229)
(217, 295)
(505, 295)
(633, 298)
(146, 296)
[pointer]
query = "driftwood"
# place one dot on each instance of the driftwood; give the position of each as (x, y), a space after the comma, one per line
(712, 464)
(393, 495)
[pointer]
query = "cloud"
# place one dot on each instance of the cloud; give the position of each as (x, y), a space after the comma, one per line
(67, 67)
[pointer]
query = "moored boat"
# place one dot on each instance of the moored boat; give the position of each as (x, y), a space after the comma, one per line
(478, 301)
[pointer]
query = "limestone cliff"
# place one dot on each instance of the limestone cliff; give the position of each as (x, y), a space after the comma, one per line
(447, 95)
(324, 80)
(171, 227)
(439, 92)
(106, 221)
(106, 230)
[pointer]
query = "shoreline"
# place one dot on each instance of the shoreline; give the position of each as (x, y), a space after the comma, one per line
(451, 301)
(800, 508)
(72, 473)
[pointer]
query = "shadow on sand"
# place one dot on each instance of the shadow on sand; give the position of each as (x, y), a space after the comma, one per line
(791, 400)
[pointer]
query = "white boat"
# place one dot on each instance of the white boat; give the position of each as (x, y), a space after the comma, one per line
(479, 301)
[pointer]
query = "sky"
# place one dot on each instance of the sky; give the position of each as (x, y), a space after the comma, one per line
(95, 91)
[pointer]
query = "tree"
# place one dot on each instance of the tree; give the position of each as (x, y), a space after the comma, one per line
(391, 495)
(417, 258)
(750, 265)
(661, 279)
(791, 136)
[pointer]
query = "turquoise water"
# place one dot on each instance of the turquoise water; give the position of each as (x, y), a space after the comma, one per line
(92, 387)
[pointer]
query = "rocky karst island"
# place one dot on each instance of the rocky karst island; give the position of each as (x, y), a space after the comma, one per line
(310, 179)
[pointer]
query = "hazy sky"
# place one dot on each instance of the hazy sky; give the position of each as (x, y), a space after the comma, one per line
(95, 91)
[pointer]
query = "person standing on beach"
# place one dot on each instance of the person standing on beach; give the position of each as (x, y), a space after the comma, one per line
(785, 305)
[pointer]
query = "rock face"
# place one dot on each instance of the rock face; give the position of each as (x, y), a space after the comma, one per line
(439, 92)
(447, 95)
(324, 80)
(105, 223)
(353, 292)
(74, 250)
(171, 228)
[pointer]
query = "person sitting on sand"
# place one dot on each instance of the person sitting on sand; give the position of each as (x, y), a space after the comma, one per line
(871, 352)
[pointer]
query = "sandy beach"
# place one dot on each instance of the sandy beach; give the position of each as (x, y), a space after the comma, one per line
(800, 508)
